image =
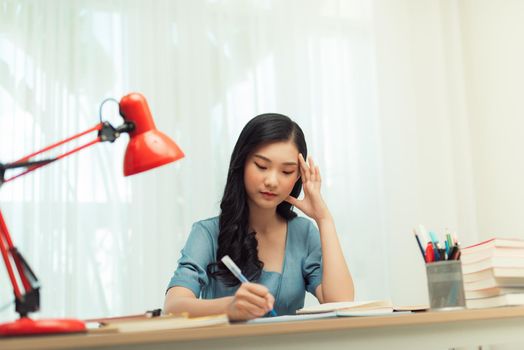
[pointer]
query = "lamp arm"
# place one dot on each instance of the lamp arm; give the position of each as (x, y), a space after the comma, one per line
(33, 165)
(106, 132)
(28, 300)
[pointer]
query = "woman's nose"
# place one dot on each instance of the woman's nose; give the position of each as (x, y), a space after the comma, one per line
(271, 180)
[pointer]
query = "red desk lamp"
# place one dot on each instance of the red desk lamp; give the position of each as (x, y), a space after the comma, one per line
(148, 148)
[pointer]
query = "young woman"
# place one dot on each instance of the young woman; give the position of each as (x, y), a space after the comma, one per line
(282, 255)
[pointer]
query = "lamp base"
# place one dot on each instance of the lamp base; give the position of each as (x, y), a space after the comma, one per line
(27, 326)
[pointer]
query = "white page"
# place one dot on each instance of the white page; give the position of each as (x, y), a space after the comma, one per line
(291, 318)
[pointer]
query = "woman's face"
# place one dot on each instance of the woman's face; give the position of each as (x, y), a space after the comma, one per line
(270, 173)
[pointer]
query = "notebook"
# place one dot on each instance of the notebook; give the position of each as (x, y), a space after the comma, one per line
(159, 323)
(351, 308)
(384, 311)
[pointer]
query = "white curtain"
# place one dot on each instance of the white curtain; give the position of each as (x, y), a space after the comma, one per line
(376, 86)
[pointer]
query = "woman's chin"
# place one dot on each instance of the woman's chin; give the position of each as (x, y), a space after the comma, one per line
(265, 204)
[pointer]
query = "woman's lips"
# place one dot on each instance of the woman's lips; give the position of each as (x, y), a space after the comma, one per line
(268, 195)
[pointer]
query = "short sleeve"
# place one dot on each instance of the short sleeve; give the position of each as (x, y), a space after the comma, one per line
(312, 268)
(196, 255)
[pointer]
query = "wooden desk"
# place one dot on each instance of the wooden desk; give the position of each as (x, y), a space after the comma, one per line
(428, 330)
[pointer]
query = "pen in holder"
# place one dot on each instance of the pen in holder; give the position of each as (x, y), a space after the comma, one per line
(445, 285)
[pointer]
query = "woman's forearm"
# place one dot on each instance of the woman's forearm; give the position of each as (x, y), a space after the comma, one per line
(337, 284)
(197, 307)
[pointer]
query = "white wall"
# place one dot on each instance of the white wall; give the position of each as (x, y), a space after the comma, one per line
(424, 133)
(450, 78)
(493, 38)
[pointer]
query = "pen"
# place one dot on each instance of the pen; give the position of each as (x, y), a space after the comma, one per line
(453, 253)
(419, 245)
(450, 242)
(235, 270)
(153, 313)
(442, 253)
(147, 314)
(456, 252)
(423, 232)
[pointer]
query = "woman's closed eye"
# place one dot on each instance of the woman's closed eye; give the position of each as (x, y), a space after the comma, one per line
(285, 172)
(260, 166)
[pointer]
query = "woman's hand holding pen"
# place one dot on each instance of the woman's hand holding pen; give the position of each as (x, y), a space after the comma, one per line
(312, 204)
(251, 300)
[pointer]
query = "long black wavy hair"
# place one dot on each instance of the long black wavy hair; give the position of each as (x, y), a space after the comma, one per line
(235, 238)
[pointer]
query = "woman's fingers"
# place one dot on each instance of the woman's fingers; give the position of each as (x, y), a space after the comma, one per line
(312, 169)
(292, 200)
(309, 170)
(255, 298)
(304, 170)
(251, 310)
(256, 294)
(251, 300)
(270, 301)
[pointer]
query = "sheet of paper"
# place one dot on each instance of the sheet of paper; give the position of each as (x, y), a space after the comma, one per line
(349, 313)
(292, 318)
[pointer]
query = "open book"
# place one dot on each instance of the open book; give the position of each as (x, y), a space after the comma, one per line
(159, 323)
(351, 308)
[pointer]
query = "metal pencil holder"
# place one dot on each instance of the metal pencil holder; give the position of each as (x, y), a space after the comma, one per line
(445, 285)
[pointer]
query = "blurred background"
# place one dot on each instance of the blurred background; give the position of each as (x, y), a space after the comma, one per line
(412, 108)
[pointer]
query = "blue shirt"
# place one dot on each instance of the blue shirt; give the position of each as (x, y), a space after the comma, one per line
(301, 269)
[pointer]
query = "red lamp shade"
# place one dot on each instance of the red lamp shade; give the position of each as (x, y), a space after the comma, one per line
(148, 148)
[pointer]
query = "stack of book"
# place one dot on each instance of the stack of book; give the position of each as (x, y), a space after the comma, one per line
(494, 273)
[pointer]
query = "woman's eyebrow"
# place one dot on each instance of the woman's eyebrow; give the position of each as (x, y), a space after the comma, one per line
(269, 160)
